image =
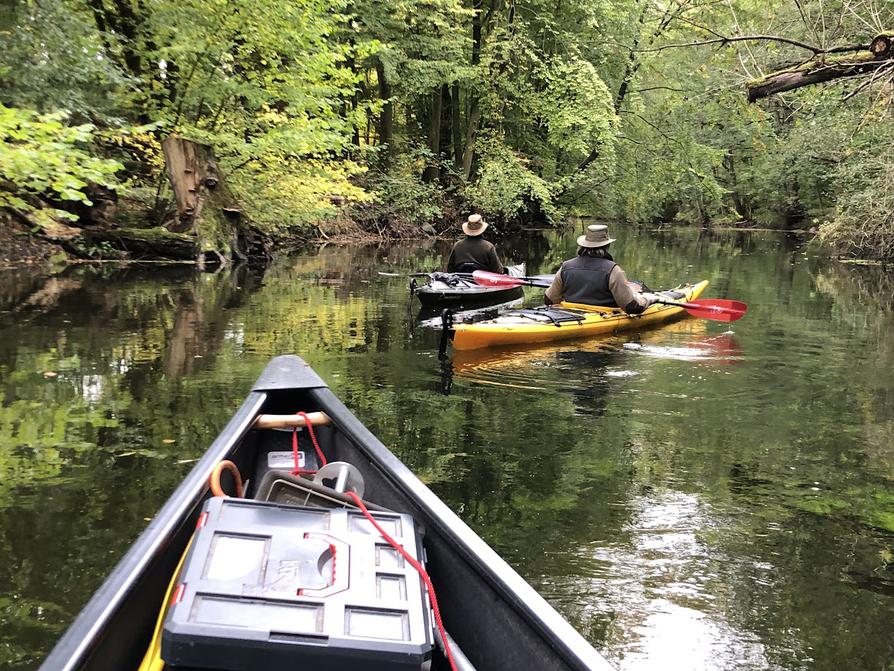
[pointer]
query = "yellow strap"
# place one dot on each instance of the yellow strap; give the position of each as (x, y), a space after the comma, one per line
(152, 661)
(586, 307)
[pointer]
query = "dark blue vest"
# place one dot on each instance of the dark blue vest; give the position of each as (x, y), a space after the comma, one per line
(585, 280)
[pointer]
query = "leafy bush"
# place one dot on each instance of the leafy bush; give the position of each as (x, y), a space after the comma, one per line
(399, 196)
(864, 221)
(53, 59)
(42, 158)
(507, 186)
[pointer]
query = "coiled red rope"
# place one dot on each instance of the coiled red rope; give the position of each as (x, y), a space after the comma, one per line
(310, 429)
(416, 565)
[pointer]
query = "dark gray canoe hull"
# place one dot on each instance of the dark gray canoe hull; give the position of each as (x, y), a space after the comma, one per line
(495, 616)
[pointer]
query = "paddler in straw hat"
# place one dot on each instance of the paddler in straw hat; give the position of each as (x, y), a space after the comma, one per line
(592, 277)
(473, 252)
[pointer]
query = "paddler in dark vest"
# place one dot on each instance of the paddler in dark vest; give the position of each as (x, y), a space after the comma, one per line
(473, 252)
(593, 277)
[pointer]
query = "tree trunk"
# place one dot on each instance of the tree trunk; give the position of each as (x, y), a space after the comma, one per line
(386, 118)
(205, 206)
(434, 137)
(154, 243)
(474, 107)
(445, 150)
(732, 187)
(824, 68)
(471, 134)
(633, 63)
(456, 123)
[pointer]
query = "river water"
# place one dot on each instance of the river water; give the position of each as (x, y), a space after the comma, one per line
(688, 497)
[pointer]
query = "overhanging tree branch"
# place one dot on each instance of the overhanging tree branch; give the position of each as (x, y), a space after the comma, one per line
(878, 56)
(723, 41)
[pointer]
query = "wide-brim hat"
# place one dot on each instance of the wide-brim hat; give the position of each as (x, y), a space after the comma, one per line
(596, 236)
(474, 225)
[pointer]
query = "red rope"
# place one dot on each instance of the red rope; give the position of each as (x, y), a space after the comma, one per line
(310, 429)
(297, 470)
(416, 565)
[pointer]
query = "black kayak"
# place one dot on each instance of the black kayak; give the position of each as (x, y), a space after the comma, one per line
(459, 290)
(445, 290)
(304, 571)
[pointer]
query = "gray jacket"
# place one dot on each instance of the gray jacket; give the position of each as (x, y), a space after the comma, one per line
(595, 281)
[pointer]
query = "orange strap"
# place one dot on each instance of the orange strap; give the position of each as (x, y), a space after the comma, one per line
(214, 479)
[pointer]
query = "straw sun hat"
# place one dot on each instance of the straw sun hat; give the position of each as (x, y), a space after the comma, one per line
(475, 225)
(596, 236)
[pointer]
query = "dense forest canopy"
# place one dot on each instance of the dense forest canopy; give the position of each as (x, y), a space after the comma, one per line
(403, 113)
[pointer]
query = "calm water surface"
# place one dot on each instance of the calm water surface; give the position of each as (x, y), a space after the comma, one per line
(688, 497)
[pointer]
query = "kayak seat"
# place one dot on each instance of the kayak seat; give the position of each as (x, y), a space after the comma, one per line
(548, 314)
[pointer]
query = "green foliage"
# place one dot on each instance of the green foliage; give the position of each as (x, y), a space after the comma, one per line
(692, 149)
(262, 83)
(507, 185)
(529, 110)
(863, 221)
(576, 108)
(400, 196)
(420, 45)
(42, 156)
(51, 58)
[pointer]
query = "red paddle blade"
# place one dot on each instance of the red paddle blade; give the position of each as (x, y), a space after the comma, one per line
(488, 279)
(718, 309)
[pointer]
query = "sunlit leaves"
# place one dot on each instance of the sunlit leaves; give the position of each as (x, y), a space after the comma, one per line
(507, 184)
(576, 108)
(42, 156)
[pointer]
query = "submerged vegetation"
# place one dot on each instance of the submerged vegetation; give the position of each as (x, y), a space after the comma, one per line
(323, 117)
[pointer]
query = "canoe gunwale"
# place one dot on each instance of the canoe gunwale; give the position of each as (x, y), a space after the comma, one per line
(75, 646)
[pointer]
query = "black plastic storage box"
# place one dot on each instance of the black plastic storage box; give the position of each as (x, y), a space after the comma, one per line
(268, 586)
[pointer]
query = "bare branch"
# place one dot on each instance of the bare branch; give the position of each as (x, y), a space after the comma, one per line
(723, 41)
(872, 79)
(664, 88)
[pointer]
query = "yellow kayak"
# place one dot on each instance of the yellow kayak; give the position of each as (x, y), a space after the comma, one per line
(567, 320)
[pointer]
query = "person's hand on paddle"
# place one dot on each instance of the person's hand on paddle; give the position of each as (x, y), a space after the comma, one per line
(650, 297)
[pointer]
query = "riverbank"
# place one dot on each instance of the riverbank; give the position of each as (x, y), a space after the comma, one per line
(19, 247)
(23, 247)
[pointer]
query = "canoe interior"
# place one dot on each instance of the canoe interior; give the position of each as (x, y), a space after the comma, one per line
(498, 620)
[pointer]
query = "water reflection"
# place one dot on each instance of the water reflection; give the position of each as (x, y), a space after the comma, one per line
(674, 575)
(719, 349)
(687, 497)
(535, 366)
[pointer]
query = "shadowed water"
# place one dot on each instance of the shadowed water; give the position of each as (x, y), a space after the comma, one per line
(697, 496)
